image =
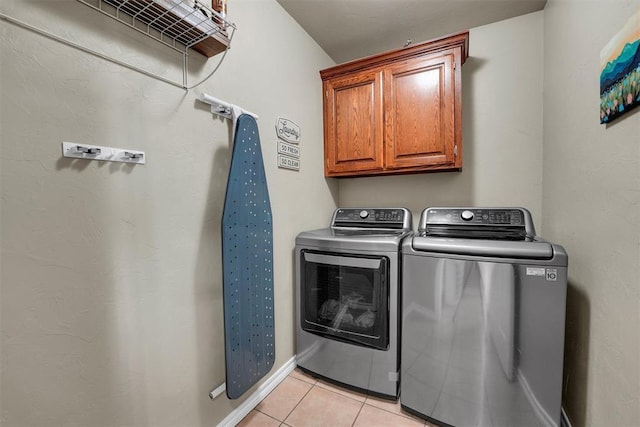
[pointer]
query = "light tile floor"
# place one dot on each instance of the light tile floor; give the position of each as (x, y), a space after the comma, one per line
(301, 400)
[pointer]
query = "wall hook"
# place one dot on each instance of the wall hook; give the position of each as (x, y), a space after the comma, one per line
(130, 155)
(88, 150)
(225, 111)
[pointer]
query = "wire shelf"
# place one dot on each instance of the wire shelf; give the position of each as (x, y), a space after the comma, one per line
(179, 24)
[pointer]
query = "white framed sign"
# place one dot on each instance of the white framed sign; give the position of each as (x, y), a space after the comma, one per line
(287, 130)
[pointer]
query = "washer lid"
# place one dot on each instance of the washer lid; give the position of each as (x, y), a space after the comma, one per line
(484, 248)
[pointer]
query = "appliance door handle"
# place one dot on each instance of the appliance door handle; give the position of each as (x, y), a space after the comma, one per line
(485, 248)
(343, 261)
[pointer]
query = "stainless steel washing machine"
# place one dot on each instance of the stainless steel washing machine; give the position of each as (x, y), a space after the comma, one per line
(483, 319)
(347, 302)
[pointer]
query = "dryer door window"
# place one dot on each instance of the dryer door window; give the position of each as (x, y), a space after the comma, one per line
(346, 297)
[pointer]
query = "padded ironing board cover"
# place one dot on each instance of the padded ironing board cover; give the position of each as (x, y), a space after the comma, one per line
(247, 263)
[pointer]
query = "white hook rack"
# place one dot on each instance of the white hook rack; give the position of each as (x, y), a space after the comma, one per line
(224, 109)
(107, 154)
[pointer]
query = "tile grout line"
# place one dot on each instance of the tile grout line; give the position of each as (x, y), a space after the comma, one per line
(273, 418)
(364, 402)
(401, 414)
(315, 384)
(357, 415)
(301, 399)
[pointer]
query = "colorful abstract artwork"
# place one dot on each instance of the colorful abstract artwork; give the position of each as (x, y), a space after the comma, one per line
(620, 72)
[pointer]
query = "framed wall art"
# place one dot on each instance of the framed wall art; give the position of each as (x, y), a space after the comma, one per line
(620, 72)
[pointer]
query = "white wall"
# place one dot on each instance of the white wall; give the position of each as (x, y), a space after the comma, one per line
(111, 296)
(502, 131)
(591, 205)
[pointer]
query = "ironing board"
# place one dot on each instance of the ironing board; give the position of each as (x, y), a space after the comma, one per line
(247, 261)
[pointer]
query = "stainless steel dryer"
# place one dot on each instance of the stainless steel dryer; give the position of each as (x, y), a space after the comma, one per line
(483, 319)
(347, 302)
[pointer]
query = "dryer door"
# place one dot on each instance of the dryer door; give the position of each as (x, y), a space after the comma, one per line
(345, 297)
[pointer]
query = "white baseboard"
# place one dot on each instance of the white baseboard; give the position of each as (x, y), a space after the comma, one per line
(261, 392)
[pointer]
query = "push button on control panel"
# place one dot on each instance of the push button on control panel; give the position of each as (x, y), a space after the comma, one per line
(466, 215)
(364, 214)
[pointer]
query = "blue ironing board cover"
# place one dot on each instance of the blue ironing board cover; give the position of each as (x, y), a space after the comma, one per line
(247, 263)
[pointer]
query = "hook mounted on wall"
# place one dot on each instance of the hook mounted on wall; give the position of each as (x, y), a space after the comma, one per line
(109, 154)
(133, 156)
(88, 150)
(224, 109)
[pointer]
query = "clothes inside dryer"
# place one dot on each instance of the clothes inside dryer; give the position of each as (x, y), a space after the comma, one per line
(346, 297)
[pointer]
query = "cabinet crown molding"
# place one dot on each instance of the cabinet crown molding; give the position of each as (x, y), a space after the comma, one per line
(380, 59)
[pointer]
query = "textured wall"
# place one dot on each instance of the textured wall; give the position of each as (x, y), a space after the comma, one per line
(502, 130)
(591, 204)
(110, 301)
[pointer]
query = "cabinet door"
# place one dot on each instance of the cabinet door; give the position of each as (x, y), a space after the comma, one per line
(420, 113)
(353, 124)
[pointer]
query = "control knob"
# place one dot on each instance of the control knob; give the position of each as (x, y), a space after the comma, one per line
(466, 215)
(364, 214)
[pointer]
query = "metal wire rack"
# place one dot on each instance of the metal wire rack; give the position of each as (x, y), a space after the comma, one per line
(178, 24)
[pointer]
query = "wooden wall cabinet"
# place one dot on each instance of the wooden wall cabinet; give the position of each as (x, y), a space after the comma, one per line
(396, 112)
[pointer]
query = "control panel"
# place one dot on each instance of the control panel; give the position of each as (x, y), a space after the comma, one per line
(486, 223)
(372, 218)
(480, 216)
